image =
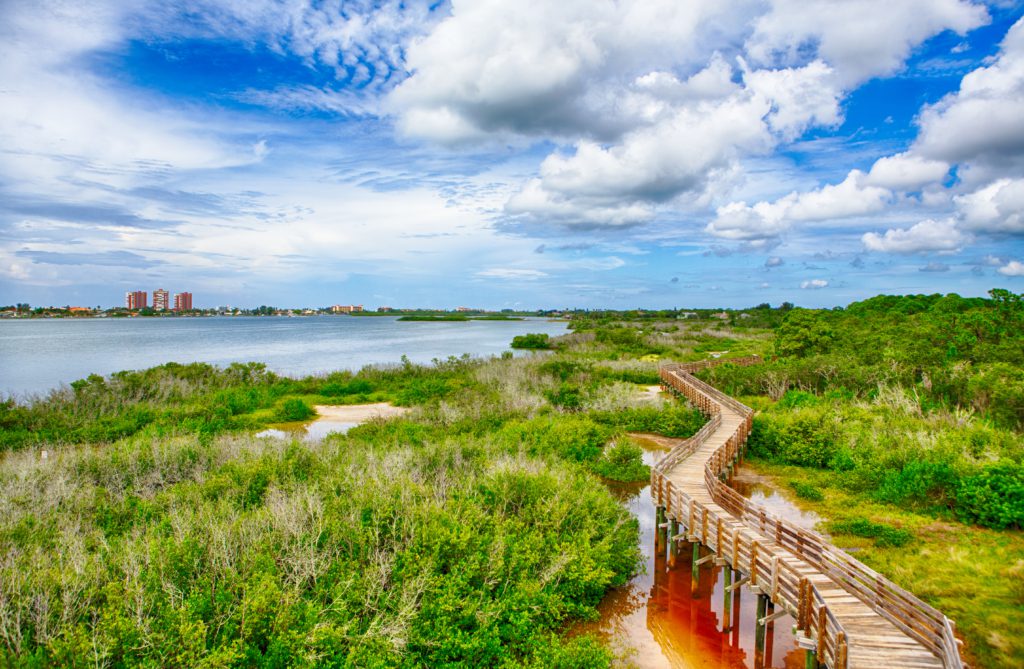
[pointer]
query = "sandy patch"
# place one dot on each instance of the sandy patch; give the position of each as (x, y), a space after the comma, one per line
(650, 393)
(360, 413)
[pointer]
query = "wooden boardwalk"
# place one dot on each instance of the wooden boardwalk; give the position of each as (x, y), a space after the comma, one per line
(847, 614)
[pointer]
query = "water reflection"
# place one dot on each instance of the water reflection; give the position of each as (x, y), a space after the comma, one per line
(754, 487)
(665, 618)
(307, 431)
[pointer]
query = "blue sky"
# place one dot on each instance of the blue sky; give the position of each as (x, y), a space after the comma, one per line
(640, 153)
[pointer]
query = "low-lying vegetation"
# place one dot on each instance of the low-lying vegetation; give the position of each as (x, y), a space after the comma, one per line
(142, 525)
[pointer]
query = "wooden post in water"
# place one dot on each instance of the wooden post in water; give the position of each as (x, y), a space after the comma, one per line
(727, 605)
(695, 569)
(810, 659)
(769, 633)
(762, 605)
(659, 532)
(673, 545)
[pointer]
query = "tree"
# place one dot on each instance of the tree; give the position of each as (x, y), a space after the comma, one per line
(803, 332)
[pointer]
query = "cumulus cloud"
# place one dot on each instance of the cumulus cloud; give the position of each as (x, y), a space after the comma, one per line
(934, 267)
(926, 236)
(854, 196)
(996, 208)
(984, 120)
(540, 68)
(905, 172)
(774, 261)
(1012, 268)
(814, 284)
(860, 38)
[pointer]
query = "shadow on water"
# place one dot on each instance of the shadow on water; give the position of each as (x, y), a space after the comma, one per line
(665, 618)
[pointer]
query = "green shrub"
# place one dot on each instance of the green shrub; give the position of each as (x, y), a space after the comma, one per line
(294, 409)
(994, 497)
(532, 341)
(920, 483)
(567, 396)
(673, 420)
(799, 437)
(623, 461)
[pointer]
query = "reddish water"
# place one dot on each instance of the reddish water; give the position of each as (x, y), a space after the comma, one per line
(663, 618)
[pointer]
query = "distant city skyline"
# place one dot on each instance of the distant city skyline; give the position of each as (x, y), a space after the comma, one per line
(528, 154)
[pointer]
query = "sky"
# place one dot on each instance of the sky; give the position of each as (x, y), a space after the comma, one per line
(510, 153)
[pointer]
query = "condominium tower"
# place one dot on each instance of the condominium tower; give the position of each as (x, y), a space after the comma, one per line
(183, 302)
(135, 299)
(160, 299)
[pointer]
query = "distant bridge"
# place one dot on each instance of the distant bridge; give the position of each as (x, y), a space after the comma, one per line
(848, 616)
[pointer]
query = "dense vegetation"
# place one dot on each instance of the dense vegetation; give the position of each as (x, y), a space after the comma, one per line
(918, 400)
(142, 524)
(156, 530)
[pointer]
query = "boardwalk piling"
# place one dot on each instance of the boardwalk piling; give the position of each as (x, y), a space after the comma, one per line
(727, 605)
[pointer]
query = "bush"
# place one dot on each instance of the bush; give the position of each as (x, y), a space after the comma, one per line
(532, 341)
(920, 483)
(796, 438)
(623, 461)
(294, 409)
(993, 497)
(567, 396)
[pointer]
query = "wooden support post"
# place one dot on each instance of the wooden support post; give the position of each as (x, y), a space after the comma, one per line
(727, 605)
(673, 548)
(810, 659)
(769, 632)
(695, 569)
(762, 605)
(659, 531)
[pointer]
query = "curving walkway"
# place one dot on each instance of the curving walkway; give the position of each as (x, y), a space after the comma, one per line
(847, 614)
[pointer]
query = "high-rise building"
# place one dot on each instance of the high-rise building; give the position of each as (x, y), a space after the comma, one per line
(183, 302)
(135, 299)
(160, 298)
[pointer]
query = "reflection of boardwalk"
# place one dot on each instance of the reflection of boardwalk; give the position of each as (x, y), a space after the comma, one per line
(847, 614)
(699, 624)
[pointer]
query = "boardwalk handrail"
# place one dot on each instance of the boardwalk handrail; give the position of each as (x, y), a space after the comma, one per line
(774, 577)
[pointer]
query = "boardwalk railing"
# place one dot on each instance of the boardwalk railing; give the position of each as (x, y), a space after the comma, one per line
(738, 544)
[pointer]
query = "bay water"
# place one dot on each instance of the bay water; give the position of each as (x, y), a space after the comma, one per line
(37, 355)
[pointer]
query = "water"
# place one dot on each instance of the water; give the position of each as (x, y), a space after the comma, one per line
(754, 487)
(665, 619)
(38, 355)
(312, 431)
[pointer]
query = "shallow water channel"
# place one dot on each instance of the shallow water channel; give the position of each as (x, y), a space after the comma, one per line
(665, 618)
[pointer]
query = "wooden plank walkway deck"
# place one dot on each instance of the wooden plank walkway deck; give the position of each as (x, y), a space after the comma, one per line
(851, 616)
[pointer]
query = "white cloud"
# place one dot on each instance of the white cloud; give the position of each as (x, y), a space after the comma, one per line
(905, 172)
(997, 208)
(926, 236)
(800, 97)
(511, 273)
(538, 68)
(1012, 268)
(859, 38)
(984, 120)
(814, 284)
(766, 220)
(774, 261)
